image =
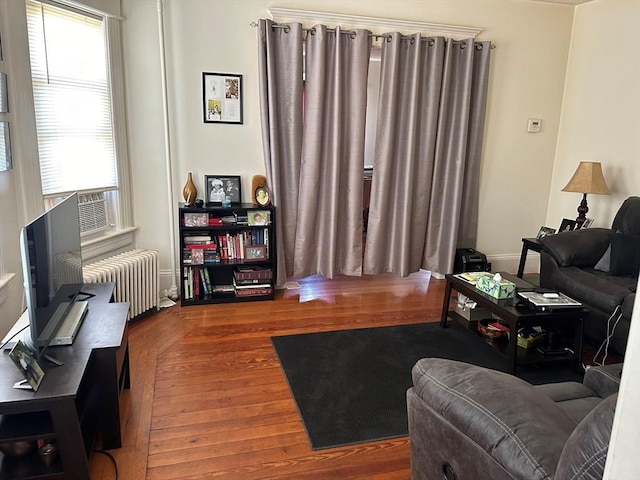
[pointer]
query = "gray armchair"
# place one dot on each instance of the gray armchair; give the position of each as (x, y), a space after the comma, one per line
(469, 422)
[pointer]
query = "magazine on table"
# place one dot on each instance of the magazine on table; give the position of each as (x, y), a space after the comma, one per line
(549, 300)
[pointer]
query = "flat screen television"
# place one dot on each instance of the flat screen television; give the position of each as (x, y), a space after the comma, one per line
(52, 270)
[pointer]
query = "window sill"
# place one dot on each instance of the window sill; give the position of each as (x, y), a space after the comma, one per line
(111, 243)
(4, 282)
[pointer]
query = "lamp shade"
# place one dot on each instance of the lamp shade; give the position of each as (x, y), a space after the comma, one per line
(588, 178)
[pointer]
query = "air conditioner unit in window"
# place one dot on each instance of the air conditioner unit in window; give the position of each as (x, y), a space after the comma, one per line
(93, 212)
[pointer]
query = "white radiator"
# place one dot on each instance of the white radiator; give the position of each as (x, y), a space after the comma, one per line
(136, 276)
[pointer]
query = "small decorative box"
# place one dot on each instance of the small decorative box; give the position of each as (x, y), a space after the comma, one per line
(496, 286)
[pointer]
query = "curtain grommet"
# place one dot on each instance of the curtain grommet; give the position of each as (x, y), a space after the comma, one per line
(287, 29)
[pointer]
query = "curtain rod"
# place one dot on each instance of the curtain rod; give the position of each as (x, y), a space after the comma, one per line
(352, 33)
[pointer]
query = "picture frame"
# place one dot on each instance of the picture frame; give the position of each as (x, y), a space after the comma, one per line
(28, 367)
(587, 223)
(258, 217)
(5, 147)
(196, 219)
(262, 196)
(219, 187)
(567, 225)
(222, 98)
(544, 231)
(4, 96)
(255, 252)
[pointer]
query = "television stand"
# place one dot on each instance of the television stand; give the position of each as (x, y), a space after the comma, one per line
(75, 402)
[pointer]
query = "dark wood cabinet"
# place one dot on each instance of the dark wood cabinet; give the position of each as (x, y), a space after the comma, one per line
(227, 254)
(76, 401)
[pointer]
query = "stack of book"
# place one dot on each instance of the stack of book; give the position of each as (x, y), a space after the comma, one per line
(200, 249)
(252, 281)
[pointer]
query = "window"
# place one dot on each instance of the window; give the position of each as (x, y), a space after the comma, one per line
(72, 67)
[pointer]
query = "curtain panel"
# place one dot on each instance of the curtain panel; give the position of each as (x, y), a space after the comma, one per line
(329, 230)
(428, 148)
(314, 160)
(280, 71)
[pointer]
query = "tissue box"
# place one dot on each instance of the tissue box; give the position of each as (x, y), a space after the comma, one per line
(502, 289)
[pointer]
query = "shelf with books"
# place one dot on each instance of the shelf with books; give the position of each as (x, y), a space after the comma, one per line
(227, 253)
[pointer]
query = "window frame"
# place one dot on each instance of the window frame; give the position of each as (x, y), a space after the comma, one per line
(121, 235)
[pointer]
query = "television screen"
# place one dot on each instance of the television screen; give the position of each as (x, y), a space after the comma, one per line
(52, 269)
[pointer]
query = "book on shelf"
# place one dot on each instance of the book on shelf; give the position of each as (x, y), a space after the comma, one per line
(248, 286)
(197, 239)
(244, 272)
(253, 292)
(223, 288)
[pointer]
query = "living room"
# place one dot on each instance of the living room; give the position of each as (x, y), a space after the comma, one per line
(573, 66)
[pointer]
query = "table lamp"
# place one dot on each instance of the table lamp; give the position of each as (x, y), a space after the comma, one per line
(587, 178)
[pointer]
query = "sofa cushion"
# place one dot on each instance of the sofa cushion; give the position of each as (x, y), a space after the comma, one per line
(605, 261)
(625, 255)
(585, 453)
(575, 399)
(592, 287)
(581, 248)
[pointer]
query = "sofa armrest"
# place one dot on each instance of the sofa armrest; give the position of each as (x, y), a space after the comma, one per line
(582, 248)
(605, 380)
(522, 429)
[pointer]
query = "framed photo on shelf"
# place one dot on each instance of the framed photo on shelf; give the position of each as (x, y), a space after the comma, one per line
(219, 187)
(262, 196)
(587, 222)
(255, 252)
(567, 225)
(259, 217)
(28, 366)
(222, 97)
(544, 231)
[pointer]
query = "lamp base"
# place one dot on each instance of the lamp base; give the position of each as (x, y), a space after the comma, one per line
(582, 211)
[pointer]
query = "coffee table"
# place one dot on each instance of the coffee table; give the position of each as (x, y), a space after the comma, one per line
(516, 317)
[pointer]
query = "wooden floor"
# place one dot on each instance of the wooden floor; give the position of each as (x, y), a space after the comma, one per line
(208, 398)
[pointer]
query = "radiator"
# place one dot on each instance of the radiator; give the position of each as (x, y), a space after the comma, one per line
(136, 276)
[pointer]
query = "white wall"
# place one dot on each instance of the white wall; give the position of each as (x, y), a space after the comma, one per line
(527, 79)
(601, 122)
(601, 109)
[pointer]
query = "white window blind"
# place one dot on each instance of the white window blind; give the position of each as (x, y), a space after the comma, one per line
(72, 99)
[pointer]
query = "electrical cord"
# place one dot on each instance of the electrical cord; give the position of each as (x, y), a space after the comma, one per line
(605, 343)
(113, 460)
(14, 336)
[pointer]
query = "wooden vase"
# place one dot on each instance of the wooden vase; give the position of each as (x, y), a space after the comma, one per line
(189, 192)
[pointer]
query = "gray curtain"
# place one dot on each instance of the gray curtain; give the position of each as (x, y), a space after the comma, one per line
(329, 231)
(428, 147)
(280, 63)
(317, 190)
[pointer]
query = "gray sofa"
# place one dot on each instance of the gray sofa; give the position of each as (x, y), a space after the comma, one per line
(599, 267)
(469, 422)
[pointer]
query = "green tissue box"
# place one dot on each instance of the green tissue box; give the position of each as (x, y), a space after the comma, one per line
(502, 289)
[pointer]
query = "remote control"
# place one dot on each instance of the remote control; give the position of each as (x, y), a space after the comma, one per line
(550, 295)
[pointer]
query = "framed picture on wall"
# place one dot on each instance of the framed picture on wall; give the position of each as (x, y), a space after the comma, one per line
(222, 97)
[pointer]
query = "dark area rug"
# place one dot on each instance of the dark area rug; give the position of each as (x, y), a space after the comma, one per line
(350, 385)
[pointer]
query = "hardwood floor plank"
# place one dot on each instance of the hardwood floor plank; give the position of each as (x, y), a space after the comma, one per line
(209, 399)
